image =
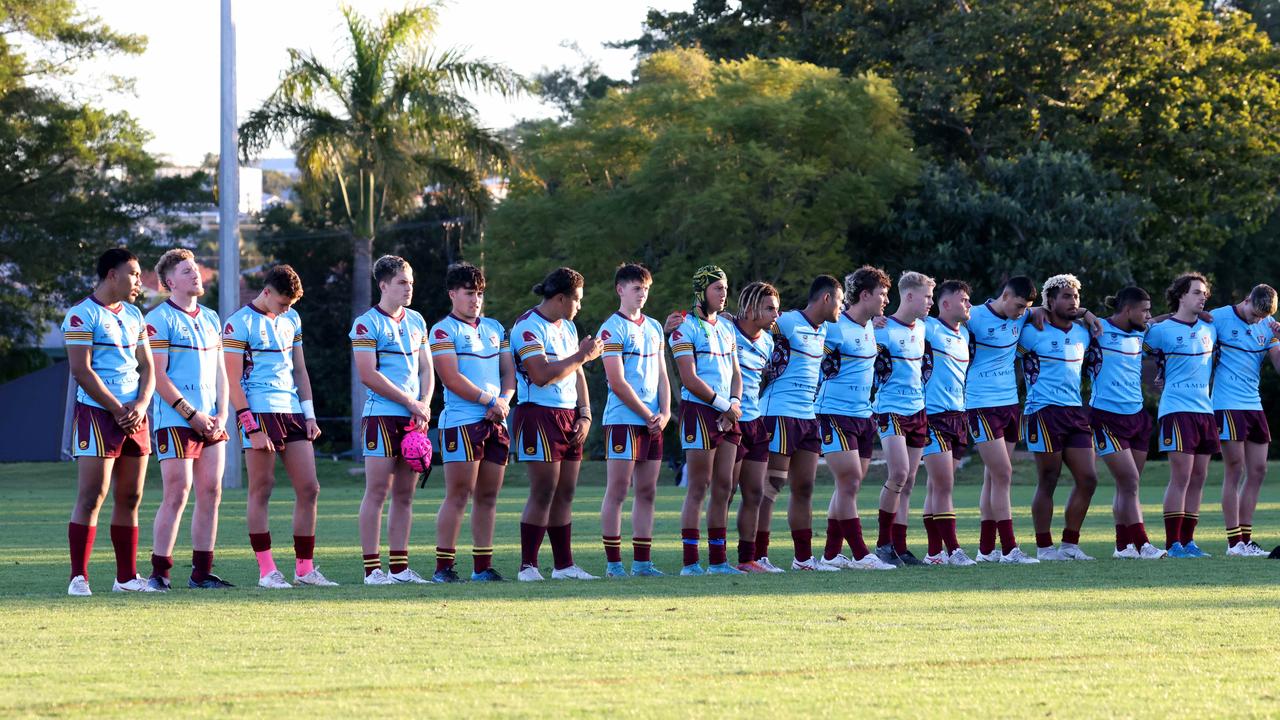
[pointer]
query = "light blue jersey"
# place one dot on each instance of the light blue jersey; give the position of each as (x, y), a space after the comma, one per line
(267, 343)
(534, 335)
(396, 343)
(1184, 361)
(712, 347)
(1242, 346)
(1052, 362)
(479, 348)
(946, 362)
(192, 345)
(899, 366)
(992, 380)
(753, 358)
(112, 336)
(791, 384)
(1114, 365)
(639, 344)
(848, 369)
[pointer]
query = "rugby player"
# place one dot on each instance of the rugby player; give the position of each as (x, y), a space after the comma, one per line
(190, 410)
(389, 342)
(262, 348)
(1054, 423)
(757, 311)
(636, 412)
(710, 406)
(845, 419)
(1182, 348)
(472, 356)
(552, 419)
(110, 358)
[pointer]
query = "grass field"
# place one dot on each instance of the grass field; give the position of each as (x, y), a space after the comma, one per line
(1108, 638)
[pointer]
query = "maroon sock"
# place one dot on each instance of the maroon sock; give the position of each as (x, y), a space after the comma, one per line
(124, 538)
(689, 538)
(530, 542)
(1044, 539)
(80, 543)
(802, 540)
(899, 538)
(1004, 528)
(561, 538)
(1189, 521)
(161, 565)
(851, 530)
(1122, 536)
(987, 537)
(746, 551)
(372, 561)
(835, 539)
(1246, 533)
(717, 552)
(946, 525)
(304, 547)
(1138, 535)
(1071, 536)
(201, 565)
(885, 537)
(398, 561)
(445, 557)
(260, 542)
(1172, 528)
(612, 548)
(481, 559)
(933, 541)
(641, 549)
(762, 544)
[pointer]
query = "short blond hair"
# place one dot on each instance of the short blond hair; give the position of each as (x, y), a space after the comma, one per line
(1263, 300)
(911, 281)
(168, 261)
(1055, 284)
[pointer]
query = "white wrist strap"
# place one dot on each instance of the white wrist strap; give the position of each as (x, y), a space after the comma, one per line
(309, 409)
(720, 403)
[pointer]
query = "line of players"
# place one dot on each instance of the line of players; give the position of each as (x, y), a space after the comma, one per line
(763, 394)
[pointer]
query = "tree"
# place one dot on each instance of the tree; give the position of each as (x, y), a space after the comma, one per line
(761, 166)
(1179, 101)
(384, 125)
(74, 179)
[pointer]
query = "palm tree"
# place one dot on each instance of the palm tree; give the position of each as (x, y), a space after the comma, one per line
(387, 123)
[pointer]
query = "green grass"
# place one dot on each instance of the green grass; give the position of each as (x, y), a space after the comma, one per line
(1109, 638)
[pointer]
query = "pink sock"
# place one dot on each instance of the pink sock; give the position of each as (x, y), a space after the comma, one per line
(304, 567)
(266, 563)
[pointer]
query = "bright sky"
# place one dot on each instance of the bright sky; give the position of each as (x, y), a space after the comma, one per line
(177, 78)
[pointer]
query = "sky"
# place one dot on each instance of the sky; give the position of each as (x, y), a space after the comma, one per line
(176, 91)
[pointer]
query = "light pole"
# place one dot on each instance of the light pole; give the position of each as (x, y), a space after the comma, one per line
(229, 215)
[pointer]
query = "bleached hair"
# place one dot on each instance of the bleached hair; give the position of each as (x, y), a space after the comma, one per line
(1056, 283)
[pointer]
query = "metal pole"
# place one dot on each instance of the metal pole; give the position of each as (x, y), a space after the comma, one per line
(229, 214)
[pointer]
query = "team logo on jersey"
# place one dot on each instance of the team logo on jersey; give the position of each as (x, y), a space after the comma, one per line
(493, 339)
(441, 334)
(75, 321)
(676, 335)
(604, 335)
(361, 329)
(529, 336)
(228, 329)
(151, 330)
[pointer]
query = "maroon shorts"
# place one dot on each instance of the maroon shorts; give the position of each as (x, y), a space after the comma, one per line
(281, 429)
(181, 443)
(383, 433)
(994, 423)
(98, 435)
(1113, 432)
(483, 440)
(1242, 425)
(948, 432)
(841, 433)
(631, 442)
(1055, 428)
(754, 444)
(545, 434)
(788, 435)
(914, 427)
(1190, 433)
(699, 429)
